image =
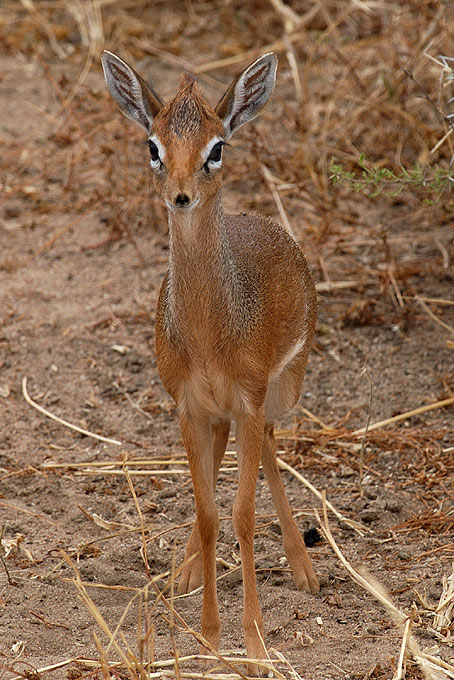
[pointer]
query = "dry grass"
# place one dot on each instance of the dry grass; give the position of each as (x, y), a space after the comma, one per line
(356, 77)
(342, 92)
(432, 666)
(119, 657)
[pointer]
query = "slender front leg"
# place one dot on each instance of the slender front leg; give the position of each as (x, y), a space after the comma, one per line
(191, 575)
(303, 573)
(197, 438)
(249, 440)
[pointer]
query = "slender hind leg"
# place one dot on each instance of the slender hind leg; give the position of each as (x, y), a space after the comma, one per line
(303, 573)
(191, 575)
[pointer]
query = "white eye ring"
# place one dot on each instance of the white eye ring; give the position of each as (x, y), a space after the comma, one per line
(214, 164)
(210, 163)
(159, 151)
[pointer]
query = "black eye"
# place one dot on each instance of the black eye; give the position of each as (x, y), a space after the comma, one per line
(216, 152)
(154, 152)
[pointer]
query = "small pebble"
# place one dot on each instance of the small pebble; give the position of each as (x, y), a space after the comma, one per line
(167, 493)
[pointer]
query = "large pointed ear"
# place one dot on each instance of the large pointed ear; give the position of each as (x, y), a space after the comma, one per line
(129, 91)
(248, 94)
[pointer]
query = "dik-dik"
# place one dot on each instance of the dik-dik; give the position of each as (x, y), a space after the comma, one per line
(234, 324)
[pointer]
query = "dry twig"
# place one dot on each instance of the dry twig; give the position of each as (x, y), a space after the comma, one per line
(404, 416)
(353, 524)
(52, 416)
(432, 667)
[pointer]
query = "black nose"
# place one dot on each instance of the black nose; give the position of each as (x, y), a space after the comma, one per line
(182, 199)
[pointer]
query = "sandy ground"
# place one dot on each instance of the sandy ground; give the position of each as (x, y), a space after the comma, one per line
(77, 319)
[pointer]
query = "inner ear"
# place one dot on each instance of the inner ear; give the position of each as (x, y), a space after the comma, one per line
(248, 94)
(130, 92)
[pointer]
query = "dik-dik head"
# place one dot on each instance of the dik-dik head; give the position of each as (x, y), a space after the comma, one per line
(186, 135)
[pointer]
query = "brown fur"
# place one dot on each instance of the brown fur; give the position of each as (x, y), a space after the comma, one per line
(237, 297)
(184, 114)
(234, 328)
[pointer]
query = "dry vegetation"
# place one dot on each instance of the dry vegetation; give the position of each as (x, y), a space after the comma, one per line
(367, 83)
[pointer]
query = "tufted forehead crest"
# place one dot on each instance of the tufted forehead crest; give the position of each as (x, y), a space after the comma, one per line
(186, 79)
(185, 116)
(186, 112)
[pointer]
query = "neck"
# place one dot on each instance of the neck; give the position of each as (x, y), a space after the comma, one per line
(200, 230)
(200, 266)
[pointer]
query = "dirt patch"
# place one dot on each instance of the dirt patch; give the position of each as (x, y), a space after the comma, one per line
(83, 252)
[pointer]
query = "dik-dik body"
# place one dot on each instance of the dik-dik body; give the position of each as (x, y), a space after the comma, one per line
(234, 325)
